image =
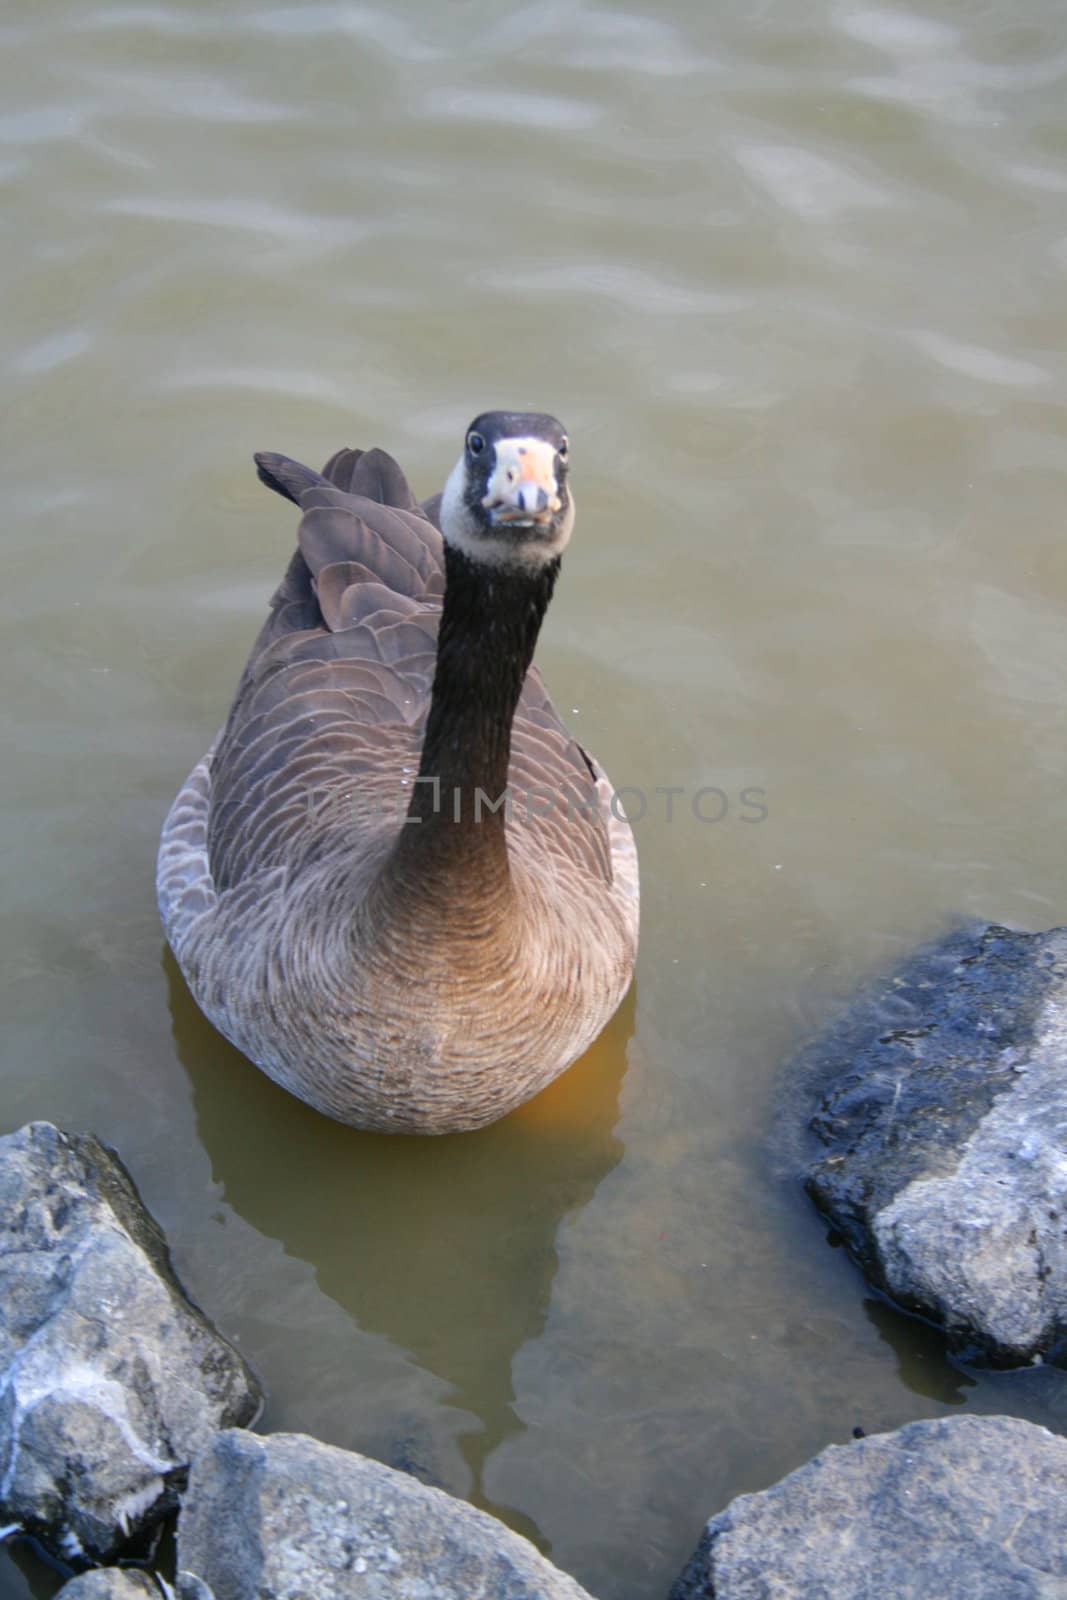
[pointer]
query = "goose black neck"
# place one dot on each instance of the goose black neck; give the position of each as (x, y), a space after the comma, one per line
(489, 626)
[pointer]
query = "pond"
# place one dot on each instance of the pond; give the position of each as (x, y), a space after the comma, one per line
(794, 279)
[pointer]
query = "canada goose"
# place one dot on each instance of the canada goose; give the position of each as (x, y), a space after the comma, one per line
(349, 897)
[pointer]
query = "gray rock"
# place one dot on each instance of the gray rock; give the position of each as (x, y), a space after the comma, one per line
(111, 1583)
(117, 1583)
(944, 1163)
(110, 1378)
(290, 1517)
(962, 1508)
(188, 1587)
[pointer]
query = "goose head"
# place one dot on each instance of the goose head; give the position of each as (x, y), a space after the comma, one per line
(507, 502)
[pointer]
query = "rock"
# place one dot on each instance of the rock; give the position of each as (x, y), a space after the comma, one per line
(944, 1163)
(961, 1508)
(188, 1587)
(110, 1378)
(124, 1583)
(111, 1583)
(290, 1517)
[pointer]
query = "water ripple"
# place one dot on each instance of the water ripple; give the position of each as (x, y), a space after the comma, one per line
(609, 280)
(54, 351)
(388, 31)
(201, 98)
(972, 361)
(42, 124)
(807, 184)
(247, 215)
(604, 41)
(153, 19)
(1048, 179)
(289, 381)
(898, 32)
(511, 106)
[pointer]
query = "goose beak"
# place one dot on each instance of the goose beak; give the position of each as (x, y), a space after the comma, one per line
(522, 489)
(530, 502)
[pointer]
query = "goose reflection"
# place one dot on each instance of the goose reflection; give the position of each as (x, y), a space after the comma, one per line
(445, 1246)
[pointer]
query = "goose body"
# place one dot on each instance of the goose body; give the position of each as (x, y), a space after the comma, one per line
(344, 901)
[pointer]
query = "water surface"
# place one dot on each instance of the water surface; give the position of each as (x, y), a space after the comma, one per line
(794, 278)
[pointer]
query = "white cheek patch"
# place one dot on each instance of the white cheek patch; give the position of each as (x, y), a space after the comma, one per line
(457, 523)
(518, 462)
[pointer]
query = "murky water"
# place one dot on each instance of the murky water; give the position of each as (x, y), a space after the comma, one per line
(795, 279)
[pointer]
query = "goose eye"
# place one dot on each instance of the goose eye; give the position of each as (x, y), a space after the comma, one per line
(475, 444)
(563, 450)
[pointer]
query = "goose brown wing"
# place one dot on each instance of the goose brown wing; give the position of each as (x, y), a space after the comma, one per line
(338, 682)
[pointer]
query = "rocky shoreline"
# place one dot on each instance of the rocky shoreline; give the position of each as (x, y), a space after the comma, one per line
(120, 1404)
(940, 1159)
(111, 1378)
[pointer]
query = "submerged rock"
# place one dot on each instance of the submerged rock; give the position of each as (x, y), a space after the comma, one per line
(962, 1508)
(110, 1378)
(290, 1517)
(945, 1137)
